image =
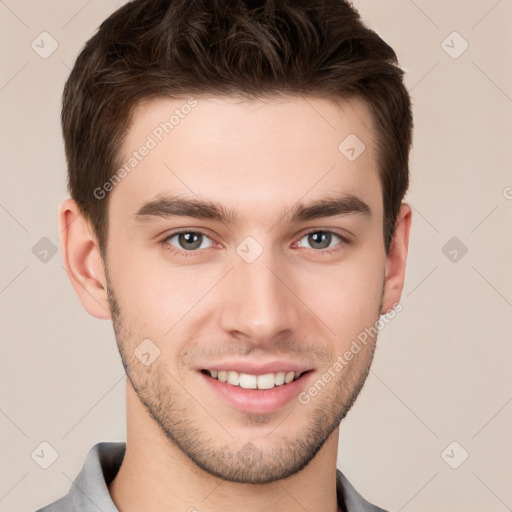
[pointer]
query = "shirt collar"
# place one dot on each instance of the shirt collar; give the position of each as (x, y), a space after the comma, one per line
(90, 488)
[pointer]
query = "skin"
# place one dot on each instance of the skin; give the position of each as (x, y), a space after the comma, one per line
(186, 446)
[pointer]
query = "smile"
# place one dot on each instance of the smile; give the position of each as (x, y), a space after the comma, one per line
(250, 381)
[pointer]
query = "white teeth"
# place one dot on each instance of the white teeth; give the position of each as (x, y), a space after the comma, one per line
(247, 381)
(280, 378)
(233, 378)
(289, 377)
(266, 381)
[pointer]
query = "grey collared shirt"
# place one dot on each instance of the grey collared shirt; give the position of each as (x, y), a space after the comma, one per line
(89, 491)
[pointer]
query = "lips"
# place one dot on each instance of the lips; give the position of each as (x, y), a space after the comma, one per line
(256, 388)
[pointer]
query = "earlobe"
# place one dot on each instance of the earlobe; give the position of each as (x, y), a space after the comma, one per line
(82, 260)
(396, 259)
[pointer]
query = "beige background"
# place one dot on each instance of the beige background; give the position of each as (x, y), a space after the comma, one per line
(442, 367)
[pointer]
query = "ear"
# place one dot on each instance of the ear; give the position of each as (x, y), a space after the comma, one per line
(396, 259)
(82, 259)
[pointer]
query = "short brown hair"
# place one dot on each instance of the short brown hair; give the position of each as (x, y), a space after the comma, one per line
(171, 48)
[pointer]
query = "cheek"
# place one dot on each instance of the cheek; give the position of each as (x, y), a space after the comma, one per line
(345, 297)
(155, 295)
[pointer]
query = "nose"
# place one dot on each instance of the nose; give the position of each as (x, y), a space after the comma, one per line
(258, 304)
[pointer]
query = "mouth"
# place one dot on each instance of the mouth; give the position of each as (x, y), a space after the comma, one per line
(257, 393)
(252, 381)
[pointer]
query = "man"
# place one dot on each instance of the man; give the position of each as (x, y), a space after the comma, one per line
(236, 172)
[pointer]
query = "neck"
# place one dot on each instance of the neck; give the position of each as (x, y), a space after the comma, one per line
(156, 475)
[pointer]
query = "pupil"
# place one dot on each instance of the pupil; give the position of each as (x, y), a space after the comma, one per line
(317, 238)
(188, 238)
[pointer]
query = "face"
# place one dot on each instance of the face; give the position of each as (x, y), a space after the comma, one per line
(244, 245)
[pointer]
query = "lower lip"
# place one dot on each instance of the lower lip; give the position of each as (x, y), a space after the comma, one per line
(257, 400)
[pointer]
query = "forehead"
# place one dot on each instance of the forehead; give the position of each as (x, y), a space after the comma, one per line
(252, 154)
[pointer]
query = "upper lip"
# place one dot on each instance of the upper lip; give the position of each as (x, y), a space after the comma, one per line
(253, 368)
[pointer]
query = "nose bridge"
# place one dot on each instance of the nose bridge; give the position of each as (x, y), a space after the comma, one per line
(258, 304)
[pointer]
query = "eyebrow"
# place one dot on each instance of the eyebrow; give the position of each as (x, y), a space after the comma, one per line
(165, 207)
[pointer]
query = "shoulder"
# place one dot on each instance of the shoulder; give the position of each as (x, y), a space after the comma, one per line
(89, 490)
(63, 504)
(351, 498)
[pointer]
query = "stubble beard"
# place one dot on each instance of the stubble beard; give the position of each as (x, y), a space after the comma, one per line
(238, 460)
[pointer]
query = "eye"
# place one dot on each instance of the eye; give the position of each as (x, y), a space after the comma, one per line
(187, 240)
(188, 243)
(321, 239)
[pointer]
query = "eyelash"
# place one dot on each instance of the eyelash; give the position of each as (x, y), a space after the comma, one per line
(187, 254)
